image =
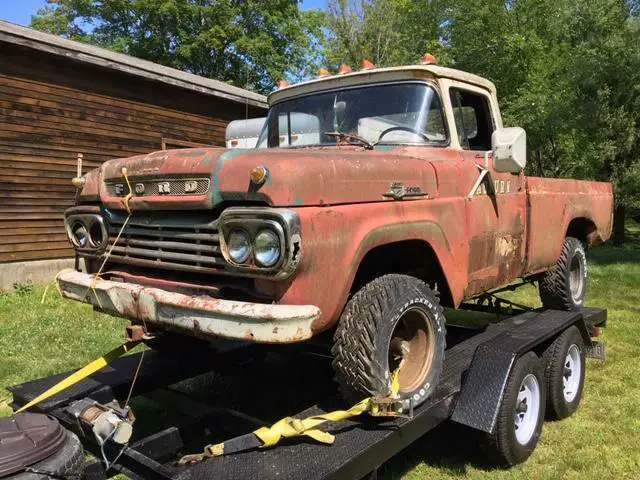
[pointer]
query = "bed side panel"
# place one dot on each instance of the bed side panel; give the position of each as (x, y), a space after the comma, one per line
(553, 203)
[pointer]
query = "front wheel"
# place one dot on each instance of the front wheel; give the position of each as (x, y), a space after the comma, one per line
(393, 322)
(564, 286)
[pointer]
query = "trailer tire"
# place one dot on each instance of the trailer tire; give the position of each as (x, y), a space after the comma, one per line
(67, 463)
(521, 413)
(564, 286)
(391, 317)
(564, 371)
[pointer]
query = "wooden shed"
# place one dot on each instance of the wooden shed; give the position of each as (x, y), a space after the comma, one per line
(59, 98)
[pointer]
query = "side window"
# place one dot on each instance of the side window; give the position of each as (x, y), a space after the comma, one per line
(473, 119)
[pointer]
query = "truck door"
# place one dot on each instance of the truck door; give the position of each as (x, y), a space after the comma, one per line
(495, 208)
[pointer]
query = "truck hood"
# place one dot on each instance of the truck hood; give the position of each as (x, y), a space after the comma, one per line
(204, 177)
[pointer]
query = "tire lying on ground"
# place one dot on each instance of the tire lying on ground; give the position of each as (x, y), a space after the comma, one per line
(564, 286)
(36, 447)
(392, 319)
(564, 369)
(521, 414)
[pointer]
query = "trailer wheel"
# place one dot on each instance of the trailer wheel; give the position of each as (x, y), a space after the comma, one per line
(521, 413)
(394, 318)
(564, 286)
(564, 369)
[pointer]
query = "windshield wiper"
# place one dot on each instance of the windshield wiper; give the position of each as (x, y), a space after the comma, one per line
(350, 138)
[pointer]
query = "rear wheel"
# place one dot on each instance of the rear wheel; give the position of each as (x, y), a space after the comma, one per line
(393, 322)
(564, 286)
(521, 413)
(564, 373)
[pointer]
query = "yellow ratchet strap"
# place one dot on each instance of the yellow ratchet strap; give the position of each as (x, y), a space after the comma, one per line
(81, 374)
(292, 427)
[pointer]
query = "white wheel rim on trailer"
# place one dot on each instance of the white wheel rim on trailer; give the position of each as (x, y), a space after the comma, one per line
(527, 409)
(572, 373)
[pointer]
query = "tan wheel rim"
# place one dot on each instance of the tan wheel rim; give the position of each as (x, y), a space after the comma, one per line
(413, 344)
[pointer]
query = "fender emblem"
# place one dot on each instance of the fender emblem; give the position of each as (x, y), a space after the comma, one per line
(398, 191)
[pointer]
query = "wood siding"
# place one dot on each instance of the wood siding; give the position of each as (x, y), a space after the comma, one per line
(52, 108)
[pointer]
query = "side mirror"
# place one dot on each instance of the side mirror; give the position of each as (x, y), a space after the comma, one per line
(509, 147)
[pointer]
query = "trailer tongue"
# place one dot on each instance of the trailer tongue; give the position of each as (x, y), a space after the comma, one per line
(480, 367)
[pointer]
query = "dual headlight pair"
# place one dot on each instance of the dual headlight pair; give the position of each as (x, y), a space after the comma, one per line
(87, 232)
(261, 239)
(265, 247)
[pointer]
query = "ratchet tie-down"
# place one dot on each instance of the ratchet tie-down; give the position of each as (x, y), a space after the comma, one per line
(376, 406)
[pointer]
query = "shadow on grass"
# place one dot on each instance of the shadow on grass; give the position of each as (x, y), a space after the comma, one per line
(449, 447)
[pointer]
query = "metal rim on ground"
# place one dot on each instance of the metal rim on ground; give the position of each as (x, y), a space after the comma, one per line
(572, 373)
(527, 409)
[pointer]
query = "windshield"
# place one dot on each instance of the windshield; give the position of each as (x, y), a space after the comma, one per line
(387, 114)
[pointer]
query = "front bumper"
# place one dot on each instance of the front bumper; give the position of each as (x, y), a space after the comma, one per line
(200, 316)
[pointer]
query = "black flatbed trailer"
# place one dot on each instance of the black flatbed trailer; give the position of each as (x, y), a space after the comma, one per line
(477, 363)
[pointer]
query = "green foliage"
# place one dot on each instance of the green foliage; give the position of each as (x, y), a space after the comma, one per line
(23, 288)
(387, 32)
(249, 43)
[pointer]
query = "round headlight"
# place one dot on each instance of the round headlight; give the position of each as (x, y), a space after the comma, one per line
(96, 237)
(239, 245)
(266, 248)
(79, 234)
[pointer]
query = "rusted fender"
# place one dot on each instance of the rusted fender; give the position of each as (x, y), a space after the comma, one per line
(336, 239)
(554, 204)
(200, 316)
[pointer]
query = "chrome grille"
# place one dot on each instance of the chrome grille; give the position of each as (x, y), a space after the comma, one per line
(173, 186)
(169, 242)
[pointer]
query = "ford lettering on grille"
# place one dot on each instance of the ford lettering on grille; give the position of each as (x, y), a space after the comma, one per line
(172, 186)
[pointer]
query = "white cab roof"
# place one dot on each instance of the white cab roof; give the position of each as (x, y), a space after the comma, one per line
(376, 75)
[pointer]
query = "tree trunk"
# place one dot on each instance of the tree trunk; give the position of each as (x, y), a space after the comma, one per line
(618, 225)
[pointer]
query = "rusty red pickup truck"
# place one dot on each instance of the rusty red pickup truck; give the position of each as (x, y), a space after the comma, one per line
(374, 198)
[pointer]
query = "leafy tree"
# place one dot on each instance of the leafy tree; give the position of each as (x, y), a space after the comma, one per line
(387, 32)
(249, 43)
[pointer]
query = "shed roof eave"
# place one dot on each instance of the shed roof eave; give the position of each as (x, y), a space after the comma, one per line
(27, 37)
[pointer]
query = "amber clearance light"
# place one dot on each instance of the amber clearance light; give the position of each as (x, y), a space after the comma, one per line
(259, 174)
(428, 59)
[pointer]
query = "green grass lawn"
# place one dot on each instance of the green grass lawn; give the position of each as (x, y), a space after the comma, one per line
(602, 441)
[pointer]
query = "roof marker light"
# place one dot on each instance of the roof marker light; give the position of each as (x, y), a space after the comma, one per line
(283, 83)
(367, 65)
(428, 59)
(344, 68)
(323, 72)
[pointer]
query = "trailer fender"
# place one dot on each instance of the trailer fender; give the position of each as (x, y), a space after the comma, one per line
(482, 389)
(484, 382)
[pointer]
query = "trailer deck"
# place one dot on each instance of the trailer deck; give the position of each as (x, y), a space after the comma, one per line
(254, 396)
